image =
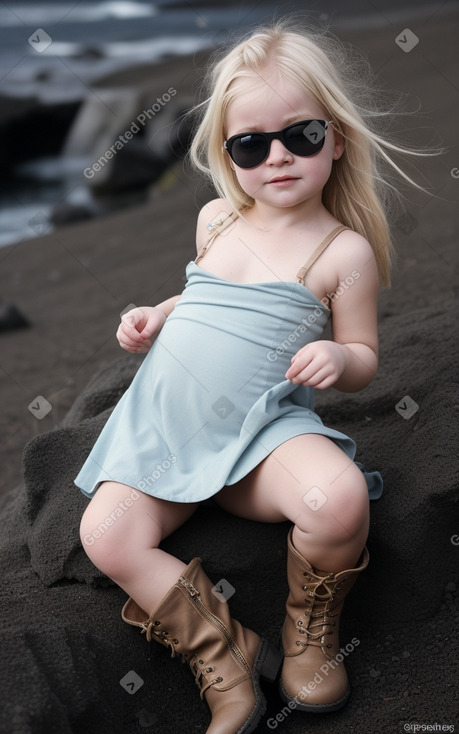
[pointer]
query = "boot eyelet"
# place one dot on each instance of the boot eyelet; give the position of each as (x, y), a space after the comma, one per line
(298, 643)
(201, 662)
(156, 622)
(300, 621)
(176, 642)
(219, 679)
(328, 646)
(209, 670)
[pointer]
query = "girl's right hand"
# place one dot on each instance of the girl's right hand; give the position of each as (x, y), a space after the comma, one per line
(138, 326)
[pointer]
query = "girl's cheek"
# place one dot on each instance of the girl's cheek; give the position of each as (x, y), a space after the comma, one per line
(246, 181)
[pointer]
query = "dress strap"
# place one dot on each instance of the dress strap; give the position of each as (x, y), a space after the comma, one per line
(318, 251)
(216, 226)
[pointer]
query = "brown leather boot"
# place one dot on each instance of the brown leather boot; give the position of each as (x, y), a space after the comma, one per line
(313, 674)
(226, 658)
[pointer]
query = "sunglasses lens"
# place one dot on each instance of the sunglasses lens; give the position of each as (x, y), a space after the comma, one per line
(306, 139)
(249, 151)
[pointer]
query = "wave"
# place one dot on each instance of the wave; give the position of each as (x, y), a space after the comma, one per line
(148, 49)
(44, 14)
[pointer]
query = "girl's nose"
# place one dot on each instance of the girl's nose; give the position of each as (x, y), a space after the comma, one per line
(278, 154)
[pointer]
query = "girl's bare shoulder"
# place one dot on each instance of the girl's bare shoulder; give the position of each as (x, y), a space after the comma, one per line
(211, 213)
(350, 250)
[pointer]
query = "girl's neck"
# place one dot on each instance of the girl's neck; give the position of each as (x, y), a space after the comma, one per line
(307, 215)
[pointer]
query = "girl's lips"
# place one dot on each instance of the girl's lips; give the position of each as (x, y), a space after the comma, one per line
(282, 181)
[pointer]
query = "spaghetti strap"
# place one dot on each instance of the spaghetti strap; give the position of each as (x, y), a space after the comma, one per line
(216, 228)
(318, 251)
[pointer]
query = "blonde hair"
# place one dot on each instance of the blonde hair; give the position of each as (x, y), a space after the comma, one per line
(357, 192)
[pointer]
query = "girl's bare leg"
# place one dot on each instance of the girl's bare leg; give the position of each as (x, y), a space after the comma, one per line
(121, 530)
(310, 481)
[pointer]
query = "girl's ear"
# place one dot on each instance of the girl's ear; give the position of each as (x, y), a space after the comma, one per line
(338, 148)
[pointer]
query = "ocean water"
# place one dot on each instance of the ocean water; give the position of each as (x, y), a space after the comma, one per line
(89, 39)
(55, 50)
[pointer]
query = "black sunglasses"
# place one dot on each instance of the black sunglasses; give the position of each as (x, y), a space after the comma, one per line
(305, 138)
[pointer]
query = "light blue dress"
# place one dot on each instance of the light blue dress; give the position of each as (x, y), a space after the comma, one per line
(210, 400)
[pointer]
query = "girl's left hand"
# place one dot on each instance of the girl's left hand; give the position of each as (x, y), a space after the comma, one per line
(318, 365)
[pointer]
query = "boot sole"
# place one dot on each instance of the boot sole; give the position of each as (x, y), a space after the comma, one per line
(267, 665)
(320, 708)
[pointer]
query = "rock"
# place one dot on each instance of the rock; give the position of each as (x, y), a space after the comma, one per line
(137, 155)
(396, 587)
(90, 52)
(66, 213)
(169, 134)
(101, 119)
(135, 166)
(30, 128)
(11, 317)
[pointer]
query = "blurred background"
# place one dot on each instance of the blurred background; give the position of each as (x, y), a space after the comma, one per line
(97, 210)
(60, 62)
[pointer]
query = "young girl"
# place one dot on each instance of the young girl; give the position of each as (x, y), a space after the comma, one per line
(222, 405)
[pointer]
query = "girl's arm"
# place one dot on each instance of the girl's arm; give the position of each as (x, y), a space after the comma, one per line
(139, 324)
(350, 361)
(168, 306)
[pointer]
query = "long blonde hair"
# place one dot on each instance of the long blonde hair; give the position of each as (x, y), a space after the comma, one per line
(357, 192)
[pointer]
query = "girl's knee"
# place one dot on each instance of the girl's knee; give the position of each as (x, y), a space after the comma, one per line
(101, 542)
(111, 539)
(352, 505)
(339, 510)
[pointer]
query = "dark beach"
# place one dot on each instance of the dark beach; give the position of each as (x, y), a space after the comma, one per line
(64, 646)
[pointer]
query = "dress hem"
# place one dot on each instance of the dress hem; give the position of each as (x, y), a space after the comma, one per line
(235, 475)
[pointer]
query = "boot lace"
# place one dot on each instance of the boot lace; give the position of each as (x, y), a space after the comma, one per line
(320, 595)
(199, 668)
